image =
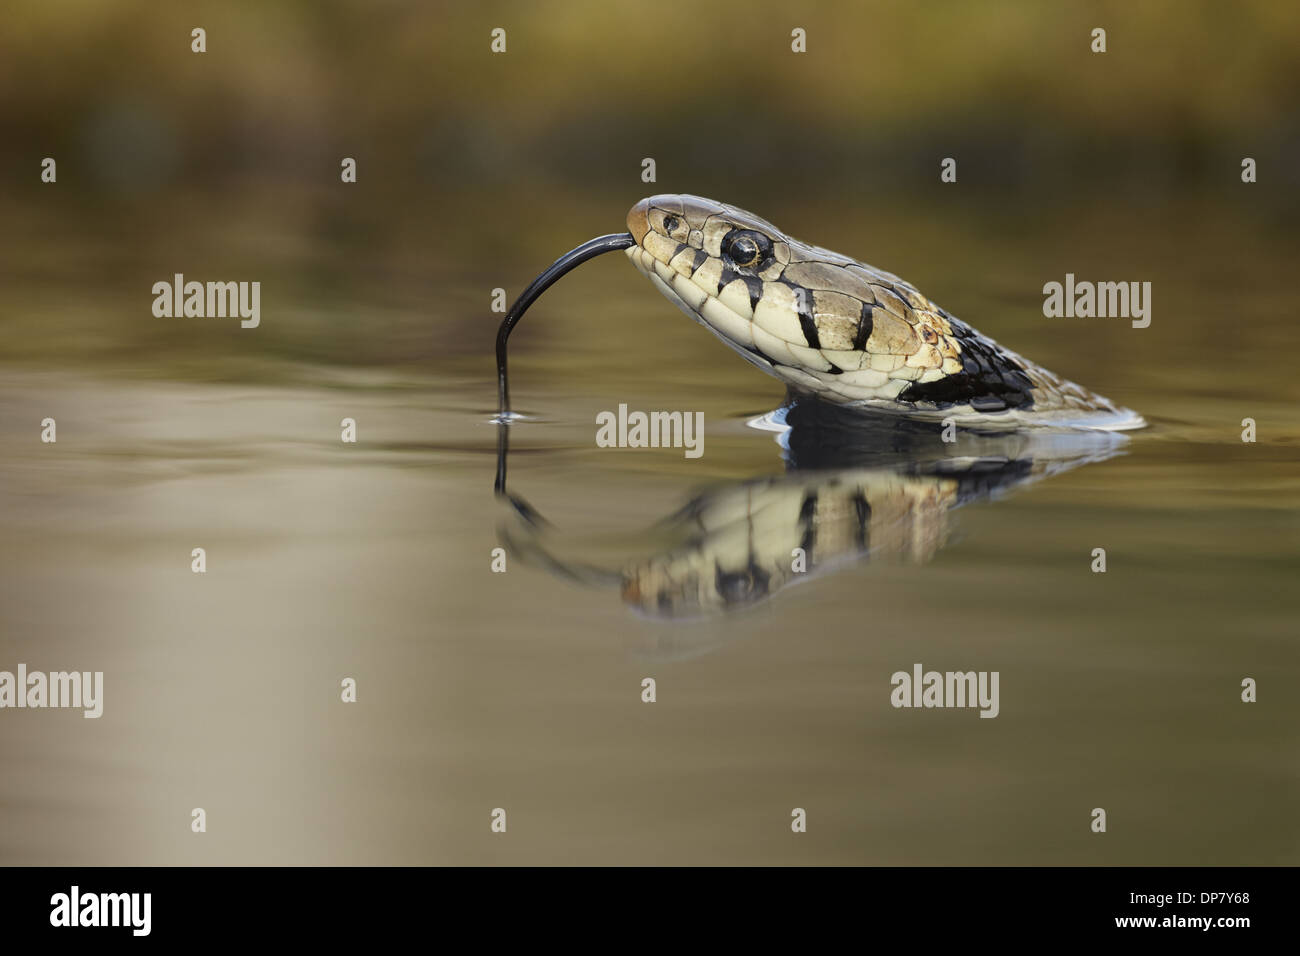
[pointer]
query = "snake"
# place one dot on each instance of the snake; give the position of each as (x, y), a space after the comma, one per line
(829, 326)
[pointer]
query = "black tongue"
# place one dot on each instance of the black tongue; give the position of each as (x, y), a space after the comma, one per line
(566, 263)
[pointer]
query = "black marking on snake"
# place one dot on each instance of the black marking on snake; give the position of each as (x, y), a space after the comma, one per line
(863, 507)
(754, 350)
(807, 518)
(701, 257)
(678, 251)
(910, 299)
(803, 299)
(809, 327)
(1018, 379)
(865, 325)
(753, 283)
(739, 587)
(990, 380)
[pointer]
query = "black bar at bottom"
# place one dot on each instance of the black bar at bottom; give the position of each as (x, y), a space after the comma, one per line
(330, 905)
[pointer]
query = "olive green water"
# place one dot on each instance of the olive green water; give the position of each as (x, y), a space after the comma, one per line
(522, 690)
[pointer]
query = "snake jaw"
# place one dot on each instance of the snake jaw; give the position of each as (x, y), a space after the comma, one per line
(840, 329)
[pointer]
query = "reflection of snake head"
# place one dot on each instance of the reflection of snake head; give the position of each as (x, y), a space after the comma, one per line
(655, 590)
(843, 330)
(746, 542)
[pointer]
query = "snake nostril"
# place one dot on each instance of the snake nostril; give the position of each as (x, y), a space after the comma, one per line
(671, 223)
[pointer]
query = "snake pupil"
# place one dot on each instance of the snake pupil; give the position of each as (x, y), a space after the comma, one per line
(746, 248)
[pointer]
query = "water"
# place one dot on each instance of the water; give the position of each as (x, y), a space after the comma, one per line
(522, 690)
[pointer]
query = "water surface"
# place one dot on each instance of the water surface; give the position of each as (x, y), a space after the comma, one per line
(522, 690)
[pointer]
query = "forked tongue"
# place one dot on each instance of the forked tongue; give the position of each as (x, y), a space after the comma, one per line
(566, 263)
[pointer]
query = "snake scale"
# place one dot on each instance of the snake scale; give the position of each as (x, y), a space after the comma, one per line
(828, 325)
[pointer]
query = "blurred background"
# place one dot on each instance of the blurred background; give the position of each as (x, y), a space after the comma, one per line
(477, 169)
(477, 690)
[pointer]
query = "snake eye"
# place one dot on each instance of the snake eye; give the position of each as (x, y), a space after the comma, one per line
(743, 251)
(746, 248)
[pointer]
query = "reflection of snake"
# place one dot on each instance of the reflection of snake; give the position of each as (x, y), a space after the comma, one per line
(882, 490)
(828, 325)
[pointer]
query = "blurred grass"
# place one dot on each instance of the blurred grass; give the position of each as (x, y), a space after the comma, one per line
(475, 170)
(414, 84)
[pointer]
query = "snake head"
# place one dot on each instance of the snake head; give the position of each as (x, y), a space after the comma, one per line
(820, 321)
